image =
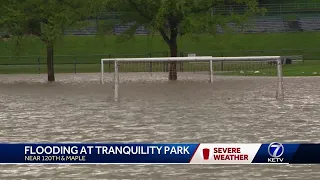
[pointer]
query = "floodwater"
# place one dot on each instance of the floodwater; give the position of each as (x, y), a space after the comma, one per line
(231, 110)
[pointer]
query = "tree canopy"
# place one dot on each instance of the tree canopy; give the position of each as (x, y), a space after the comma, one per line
(171, 18)
(45, 19)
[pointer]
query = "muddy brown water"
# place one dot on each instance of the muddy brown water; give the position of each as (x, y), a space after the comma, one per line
(231, 110)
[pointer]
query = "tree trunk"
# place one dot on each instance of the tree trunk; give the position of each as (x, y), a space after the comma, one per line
(172, 43)
(173, 65)
(50, 63)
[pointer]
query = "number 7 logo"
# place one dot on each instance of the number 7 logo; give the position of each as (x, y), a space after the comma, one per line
(275, 149)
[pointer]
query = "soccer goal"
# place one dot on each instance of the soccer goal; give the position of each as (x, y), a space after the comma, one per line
(121, 70)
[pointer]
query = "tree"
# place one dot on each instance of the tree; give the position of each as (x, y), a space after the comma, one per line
(45, 19)
(172, 18)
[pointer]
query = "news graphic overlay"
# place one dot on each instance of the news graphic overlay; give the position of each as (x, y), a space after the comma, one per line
(278, 153)
(98, 153)
(225, 153)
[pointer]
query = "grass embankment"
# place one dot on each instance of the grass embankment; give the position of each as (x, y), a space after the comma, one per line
(83, 53)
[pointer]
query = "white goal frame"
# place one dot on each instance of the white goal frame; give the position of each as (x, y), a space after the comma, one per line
(279, 91)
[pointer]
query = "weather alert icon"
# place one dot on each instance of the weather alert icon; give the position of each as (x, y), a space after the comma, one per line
(205, 153)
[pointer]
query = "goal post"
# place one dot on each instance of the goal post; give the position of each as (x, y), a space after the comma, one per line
(207, 61)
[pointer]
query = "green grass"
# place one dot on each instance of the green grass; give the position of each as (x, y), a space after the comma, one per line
(306, 69)
(90, 49)
(231, 44)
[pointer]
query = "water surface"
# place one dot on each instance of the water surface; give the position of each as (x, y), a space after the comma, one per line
(231, 110)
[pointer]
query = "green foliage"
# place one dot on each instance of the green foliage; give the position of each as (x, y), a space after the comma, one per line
(44, 18)
(180, 17)
(287, 1)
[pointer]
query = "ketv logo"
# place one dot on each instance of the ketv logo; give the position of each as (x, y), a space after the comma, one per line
(275, 150)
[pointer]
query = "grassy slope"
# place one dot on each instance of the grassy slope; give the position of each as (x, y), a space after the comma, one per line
(84, 46)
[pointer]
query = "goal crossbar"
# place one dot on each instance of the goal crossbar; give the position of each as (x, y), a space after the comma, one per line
(277, 59)
(201, 58)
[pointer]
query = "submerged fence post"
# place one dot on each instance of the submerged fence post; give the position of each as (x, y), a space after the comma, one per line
(116, 80)
(181, 63)
(150, 63)
(39, 65)
(109, 63)
(165, 64)
(222, 55)
(75, 65)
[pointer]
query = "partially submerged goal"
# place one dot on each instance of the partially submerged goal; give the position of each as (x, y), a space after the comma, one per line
(208, 65)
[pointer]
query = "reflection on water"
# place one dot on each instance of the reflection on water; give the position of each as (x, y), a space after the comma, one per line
(235, 109)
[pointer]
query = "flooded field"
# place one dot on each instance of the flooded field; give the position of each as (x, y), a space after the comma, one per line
(77, 108)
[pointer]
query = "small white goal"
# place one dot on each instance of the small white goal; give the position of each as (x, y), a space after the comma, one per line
(252, 65)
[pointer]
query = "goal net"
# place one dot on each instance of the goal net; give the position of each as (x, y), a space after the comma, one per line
(200, 68)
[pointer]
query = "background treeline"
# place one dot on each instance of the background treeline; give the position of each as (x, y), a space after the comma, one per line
(170, 19)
